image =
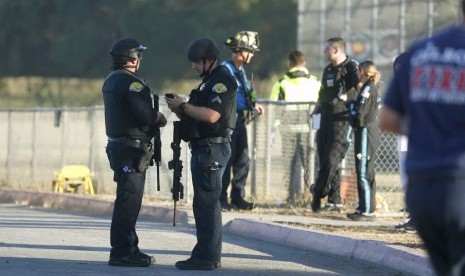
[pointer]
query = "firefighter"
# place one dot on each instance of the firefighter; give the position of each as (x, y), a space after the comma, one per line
(244, 44)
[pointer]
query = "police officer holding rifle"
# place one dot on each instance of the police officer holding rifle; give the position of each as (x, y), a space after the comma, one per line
(207, 122)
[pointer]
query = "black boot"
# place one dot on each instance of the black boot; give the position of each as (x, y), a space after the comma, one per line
(130, 261)
(226, 206)
(241, 204)
(197, 264)
(147, 256)
(316, 201)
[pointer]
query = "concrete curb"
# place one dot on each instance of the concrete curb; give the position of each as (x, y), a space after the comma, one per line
(365, 250)
(85, 204)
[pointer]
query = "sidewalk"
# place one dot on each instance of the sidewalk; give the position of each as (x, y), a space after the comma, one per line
(253, 225)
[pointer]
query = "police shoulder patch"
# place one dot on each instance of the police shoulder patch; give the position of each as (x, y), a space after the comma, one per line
(136, 86)
(219, 88)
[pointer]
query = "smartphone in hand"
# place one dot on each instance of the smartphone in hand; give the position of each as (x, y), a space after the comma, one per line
(169, 95)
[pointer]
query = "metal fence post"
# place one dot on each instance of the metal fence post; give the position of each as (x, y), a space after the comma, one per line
(35, 144)
(9, 155)
(64, 125)
(254, 158)
(269, 124)
(93, 124)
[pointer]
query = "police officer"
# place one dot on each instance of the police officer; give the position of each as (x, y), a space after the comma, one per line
(338, 85)
(243, 45)
(297, 85)
(130, 121)
(207, 121)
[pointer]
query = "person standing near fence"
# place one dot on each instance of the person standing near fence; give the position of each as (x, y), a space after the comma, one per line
(244, 44)
(426, 101)
(297, 85)
(363, 115)
(402, 146)
(130, 121)
(207, 122)
(338, 85)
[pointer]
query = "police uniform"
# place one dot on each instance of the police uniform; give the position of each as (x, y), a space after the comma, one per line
(297, 85)
(364, 111)
(130, 125)
(211, 150)
(429, 90)
(333, 137)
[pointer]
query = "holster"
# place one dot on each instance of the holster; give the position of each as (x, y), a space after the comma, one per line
(137, 155)
(144, 160)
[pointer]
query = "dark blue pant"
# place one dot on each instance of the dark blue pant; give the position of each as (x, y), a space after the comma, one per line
(129, 192)
(207, 167)
(437, 209)
(239, 162)
(333, 141)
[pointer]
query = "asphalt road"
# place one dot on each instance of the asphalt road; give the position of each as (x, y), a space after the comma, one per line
(39, 241)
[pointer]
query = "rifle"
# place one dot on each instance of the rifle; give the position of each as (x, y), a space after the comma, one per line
(176, 165)
(157, 142)
(250, 98)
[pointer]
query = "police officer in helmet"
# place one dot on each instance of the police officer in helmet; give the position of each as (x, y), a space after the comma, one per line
(131, 122)
(207, 120)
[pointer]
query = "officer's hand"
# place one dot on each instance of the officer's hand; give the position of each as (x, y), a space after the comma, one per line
(259, 108)
(173, 102)
(161, 120)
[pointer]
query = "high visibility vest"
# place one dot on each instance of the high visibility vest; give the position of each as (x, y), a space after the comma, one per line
(297, 85)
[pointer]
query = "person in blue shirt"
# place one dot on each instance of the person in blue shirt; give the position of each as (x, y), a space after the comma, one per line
(426, 101)
(243, 45)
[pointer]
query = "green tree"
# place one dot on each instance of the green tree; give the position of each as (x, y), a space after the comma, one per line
(55, 38)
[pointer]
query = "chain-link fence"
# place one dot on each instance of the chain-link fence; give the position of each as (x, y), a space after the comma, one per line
(378, 30)
(37, 143)
(285, 160)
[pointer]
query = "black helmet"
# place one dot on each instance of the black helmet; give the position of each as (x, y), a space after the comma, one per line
(202, 49)
(244, 40)
(126, 49)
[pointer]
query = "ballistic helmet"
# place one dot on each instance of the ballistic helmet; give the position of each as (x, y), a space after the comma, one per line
(243, 41)
(126, 49)
(202, 49)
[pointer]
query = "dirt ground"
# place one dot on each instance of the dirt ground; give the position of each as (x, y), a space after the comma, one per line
(385, 232)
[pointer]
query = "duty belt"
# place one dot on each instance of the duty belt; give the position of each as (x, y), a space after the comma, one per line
(133, 143)
(208, 141)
